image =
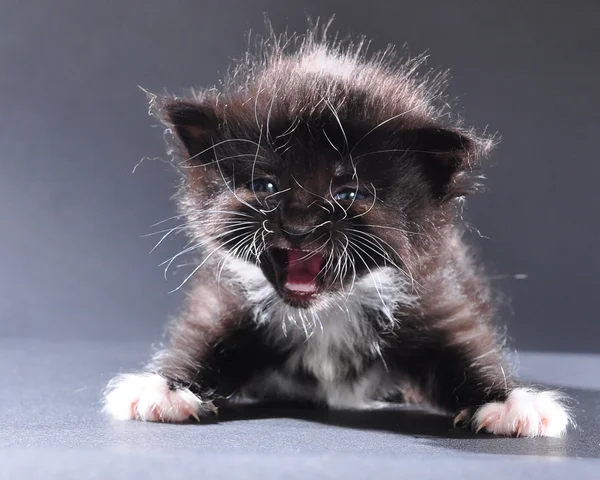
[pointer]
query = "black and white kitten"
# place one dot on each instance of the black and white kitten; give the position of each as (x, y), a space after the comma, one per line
(322, 187)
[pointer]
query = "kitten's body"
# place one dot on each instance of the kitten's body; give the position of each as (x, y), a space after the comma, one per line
(323, 188)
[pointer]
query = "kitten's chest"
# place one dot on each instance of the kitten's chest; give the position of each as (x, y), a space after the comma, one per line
(331, 345)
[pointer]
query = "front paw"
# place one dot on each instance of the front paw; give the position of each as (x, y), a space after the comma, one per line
(525, 413)
(147, 397)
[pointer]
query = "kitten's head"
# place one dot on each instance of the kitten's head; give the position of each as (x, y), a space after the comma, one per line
(319, 165)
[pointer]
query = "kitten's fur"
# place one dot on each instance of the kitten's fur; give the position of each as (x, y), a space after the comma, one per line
(364, 173)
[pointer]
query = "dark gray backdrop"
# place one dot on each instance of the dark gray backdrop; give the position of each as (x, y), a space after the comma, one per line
(73, 125)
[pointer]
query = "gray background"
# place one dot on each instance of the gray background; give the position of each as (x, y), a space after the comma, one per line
(73, 125)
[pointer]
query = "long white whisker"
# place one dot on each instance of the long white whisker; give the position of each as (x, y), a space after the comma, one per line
(167, 219)
(193, 247)
(222, 159)
(408, 232)
(354, 247)
(230, 212)
(158, 232)
(377, 241)
(336, 202)
(394, 150)
(314, 194)
(232, 190)
(278, 193)
(406, 112)
(254, 165)
(232, 252)
(339, 122)
(169, 232)
(230, 231)
(245, 140)
(370, 208)
(205, 260)
(173, 258)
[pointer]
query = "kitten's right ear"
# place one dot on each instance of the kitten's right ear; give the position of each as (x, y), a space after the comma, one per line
(194, 123)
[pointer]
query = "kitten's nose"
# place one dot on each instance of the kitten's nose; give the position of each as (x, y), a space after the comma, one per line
(297, 233)
(301, 224)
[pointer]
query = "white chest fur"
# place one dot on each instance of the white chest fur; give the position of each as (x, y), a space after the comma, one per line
(329, 342)
(332, 338)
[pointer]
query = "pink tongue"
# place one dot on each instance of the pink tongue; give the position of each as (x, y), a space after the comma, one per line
(302, 271)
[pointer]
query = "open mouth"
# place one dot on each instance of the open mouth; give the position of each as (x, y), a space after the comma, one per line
(299, 273)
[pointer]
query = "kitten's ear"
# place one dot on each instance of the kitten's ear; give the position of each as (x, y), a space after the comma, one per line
(448, 158)
(194, 123)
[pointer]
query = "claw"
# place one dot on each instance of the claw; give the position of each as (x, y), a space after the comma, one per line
(481, 427)
(523, 425)
(462, 416)
(195, 416)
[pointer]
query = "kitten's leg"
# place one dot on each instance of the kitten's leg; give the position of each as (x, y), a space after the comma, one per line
(214, 349)
(463, 370)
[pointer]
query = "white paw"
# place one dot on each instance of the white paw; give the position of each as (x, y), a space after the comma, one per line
(525, 413)
(147, 397)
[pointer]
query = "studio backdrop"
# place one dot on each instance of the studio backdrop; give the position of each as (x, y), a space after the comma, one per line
(73, 125)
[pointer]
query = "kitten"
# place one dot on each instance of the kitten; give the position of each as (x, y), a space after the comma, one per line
(323, 187)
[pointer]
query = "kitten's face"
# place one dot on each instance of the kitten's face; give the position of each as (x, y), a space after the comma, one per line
(318, 169)
(313, 213)
(316, 203)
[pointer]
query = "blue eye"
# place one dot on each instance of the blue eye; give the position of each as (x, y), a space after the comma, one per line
(349, 195)
(262, 185)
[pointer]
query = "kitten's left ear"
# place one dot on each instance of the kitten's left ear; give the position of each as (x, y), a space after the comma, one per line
(195, 124)
(448, 156)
